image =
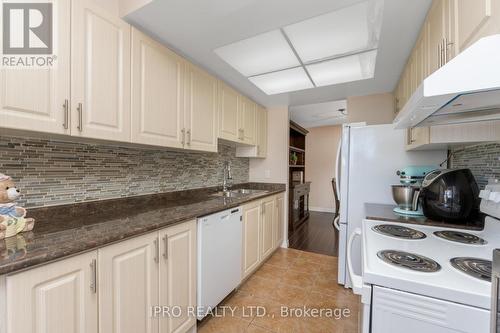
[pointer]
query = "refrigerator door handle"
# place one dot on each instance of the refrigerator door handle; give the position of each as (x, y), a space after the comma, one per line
(337, 170)
(336, 223)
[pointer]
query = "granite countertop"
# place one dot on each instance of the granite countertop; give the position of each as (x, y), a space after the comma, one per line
(62, 231)
(380, 212)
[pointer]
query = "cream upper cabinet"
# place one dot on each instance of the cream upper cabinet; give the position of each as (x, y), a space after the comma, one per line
(100, 72)
(252, 215)
(201, 110)
(279, 216)
(267, 227)
(38, 99)
(476, 19)
(157, 93)
(261, 128)
(247, 121)
(178, 275)
(229, 101)
(435, 26)
(128, 285)
(55, 298)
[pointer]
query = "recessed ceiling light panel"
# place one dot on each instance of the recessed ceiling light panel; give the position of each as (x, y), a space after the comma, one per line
(346, 69)
(282, 81)
(263, 53)
(351, 29)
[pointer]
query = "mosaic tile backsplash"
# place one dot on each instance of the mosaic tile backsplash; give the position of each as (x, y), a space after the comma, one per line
(483, 160)
(50, 172)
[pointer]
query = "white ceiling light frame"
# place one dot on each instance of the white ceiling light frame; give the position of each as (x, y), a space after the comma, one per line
(249, 56)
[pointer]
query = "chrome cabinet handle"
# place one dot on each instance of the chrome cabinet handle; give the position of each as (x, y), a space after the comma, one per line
(446, 50)
(439, 55)
(80, 116)
(443, 50)
(93, 276)
(66, 110)
(188, 137)
(156, 251)
(183, 141)
(165, 243)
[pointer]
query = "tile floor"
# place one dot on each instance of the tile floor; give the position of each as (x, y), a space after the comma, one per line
(294, 279)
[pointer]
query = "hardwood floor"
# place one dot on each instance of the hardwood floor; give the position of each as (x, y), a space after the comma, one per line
(317, 235)
(288, 279)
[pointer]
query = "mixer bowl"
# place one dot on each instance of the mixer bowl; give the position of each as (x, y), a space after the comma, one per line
(403, 195)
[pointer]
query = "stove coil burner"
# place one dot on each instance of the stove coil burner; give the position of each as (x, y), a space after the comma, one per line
(460, 237)
(475, 267)
(408, 260)
(398, 231)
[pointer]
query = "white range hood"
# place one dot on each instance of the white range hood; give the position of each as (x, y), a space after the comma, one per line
(466, 89)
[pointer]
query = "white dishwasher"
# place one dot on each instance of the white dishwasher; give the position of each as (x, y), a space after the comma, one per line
(219, 257)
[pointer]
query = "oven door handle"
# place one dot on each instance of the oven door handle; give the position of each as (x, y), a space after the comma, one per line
(356, 280)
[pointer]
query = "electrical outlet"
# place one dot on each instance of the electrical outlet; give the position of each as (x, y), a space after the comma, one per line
(267, 173)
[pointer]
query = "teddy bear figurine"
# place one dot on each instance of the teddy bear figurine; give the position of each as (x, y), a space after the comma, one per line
(12, 218)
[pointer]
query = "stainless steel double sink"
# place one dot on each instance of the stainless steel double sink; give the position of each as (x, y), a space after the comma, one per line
(238, 193)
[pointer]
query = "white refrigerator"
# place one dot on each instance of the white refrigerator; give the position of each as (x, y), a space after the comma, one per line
(367, 161)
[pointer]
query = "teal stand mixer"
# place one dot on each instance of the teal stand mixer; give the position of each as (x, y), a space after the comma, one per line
(406, 193)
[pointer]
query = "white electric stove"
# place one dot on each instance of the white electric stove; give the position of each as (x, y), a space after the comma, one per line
(420, 278)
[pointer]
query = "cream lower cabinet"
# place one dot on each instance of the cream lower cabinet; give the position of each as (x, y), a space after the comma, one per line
(178, 276)
(55, 298)
(37, 99)
(128, 285)
(267, 227)
(279, 220)
(263, 227)
(252, 217)
(111, 290)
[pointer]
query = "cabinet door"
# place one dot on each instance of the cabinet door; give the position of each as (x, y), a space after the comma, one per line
(261, 132)
(34, 99)
(100, 73)
(252, 214)
(228, 113)
(178, 276)
(248, 114)
(128, 285)
(55, 298)
(201, 110)
(436, 32)
(472, 16)
(157, 88)
(267, 229)
(279, 220)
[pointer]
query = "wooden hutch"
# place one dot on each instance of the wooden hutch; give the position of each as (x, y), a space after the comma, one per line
(298, 206)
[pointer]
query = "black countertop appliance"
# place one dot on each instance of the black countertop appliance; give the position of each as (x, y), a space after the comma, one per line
(450, 195)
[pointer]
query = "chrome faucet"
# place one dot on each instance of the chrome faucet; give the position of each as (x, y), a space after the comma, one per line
(227, 177)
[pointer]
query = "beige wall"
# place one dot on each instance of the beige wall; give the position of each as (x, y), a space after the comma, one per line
(321, 152)
(274, 168)
(372, 109)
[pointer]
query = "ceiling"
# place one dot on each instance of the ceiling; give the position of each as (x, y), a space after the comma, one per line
(196, 28)
(320, 114)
